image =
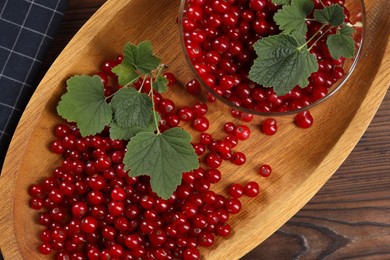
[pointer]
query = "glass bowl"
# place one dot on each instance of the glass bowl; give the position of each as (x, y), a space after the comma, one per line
(357, 17)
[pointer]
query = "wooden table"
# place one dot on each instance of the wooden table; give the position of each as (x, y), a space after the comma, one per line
(348, 218)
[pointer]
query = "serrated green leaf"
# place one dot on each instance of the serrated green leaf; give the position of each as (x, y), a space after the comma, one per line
(341, 45)
(282, 63)
(131, 108)
(85, 103)
(117, 132)
(161, 84)
(292, 18)
(164, 157)
(310, 67)
(347, 30)
(126, 74)
(281, 2)
(141, 57)
(333, 14)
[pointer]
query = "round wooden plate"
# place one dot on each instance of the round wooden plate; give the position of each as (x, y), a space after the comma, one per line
(303, 160)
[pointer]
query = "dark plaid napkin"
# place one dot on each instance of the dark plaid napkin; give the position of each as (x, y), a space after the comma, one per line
(26, 29)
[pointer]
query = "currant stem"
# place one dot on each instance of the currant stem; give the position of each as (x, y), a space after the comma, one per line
(154, 106)
(142, 85)
(319, 38)
(322, 3)
(314, 35)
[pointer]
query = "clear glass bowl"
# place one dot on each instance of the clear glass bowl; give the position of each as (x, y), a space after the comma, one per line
(357, 16)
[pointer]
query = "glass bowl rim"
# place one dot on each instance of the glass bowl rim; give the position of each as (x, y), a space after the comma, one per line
(340, 82)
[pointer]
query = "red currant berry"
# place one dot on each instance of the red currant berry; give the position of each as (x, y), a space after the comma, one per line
(242, 132)
(186, 114)
(88, 225)
(238, 158)
(269, 126)
(213, 160)
(251, 189)
(265, 170)
(304, 119)
(193, 87)
(236, 190)
(200, 124)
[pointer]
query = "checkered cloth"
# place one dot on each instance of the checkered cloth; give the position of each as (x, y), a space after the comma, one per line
(26, 29)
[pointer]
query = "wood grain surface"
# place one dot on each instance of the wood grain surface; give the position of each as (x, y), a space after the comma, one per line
(348, 218)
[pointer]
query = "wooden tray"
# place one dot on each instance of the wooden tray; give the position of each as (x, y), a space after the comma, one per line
(303, 160)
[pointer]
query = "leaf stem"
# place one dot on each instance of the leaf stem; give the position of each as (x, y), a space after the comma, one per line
(319, 38)
(160, 69)
(154, 106)
(142, 85)
(314, 35)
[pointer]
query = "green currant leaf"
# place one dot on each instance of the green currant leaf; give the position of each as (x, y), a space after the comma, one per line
(164, 157)
(292, 18)
(333, 14)
(117, 132)
(161, 84)
(281, 2)
(126, 74)
(131, 108)
(282, 63)
(341, 44)
(141, 57)
(85, 103)
(347, 30)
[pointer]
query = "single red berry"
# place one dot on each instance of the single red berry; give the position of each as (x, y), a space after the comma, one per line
(88, 224)
(205, 239)
(304, 119)
(246, 117)
(170, 77)
(233, 206)
(186, 113)
(251, 189)
(242, 132)
(200, 109)
(213, 160)
(199, 148)
(200, 124)
(224, 147)
(191, 254)
(213, 175)
(229, 128)
(236, 190)
(265, 170)
(223, 229)
(166, 106)
(79, 209)
(238, 158)
(205, 139)
(193, 87)
(269, 126)
(232, 140)
(45, 249)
